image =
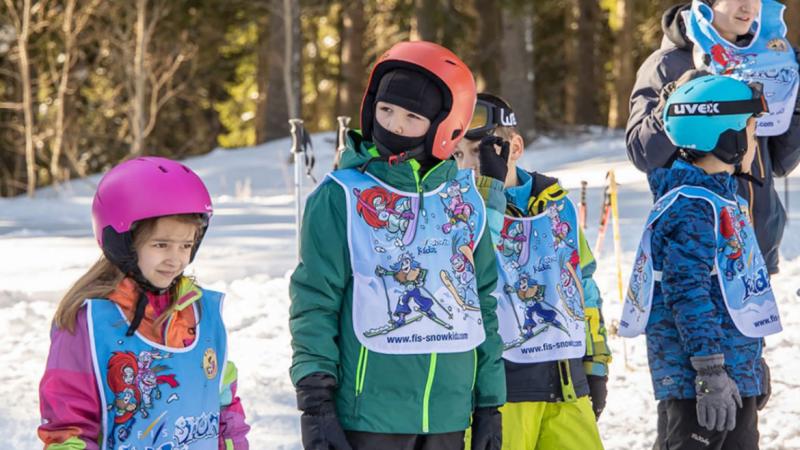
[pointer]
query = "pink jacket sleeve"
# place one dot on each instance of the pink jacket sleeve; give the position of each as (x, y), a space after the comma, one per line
(69, 400)
(233, 428)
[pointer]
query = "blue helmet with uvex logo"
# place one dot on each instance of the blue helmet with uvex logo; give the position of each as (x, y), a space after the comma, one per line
(709, 114)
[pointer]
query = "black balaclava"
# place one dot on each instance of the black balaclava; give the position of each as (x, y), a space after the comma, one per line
(417, 93)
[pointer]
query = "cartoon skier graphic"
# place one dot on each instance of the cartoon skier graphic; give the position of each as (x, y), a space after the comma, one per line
(512, 239)
(386, 210)
(559, 227)
(638, 280)
(123, 370)
(411, 276)
(463, 288)
(732, 249)
(148, 379)
(457, 210)
(569, 288)
(464, 275)
(532, 296)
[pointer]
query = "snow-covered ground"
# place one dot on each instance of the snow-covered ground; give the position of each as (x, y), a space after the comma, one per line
(46, 243)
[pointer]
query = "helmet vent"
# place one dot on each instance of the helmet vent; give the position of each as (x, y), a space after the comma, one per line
(450, 62)
(186, 169)
(456, 133)
(161, 168)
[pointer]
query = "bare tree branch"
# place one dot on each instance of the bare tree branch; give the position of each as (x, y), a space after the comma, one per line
(11, 105)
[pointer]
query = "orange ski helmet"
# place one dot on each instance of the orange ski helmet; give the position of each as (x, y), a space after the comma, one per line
(450, 74)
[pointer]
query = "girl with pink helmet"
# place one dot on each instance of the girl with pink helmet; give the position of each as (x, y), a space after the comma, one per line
(138, 353)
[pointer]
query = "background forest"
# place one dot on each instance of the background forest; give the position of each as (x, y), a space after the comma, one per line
(85, 84)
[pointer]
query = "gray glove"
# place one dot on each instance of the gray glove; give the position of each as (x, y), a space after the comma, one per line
(717, 394)
(766, 383)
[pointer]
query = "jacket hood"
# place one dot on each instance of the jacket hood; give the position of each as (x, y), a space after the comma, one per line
(682, 173)
(673, 27)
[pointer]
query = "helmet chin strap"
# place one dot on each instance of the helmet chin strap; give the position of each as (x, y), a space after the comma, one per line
(738, 173)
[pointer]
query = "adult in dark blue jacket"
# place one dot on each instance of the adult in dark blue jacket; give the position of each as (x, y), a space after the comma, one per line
(648, 145)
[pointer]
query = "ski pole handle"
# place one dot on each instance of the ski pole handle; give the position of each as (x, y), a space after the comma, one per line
(296, 129)
(582, 206)
(343, 122)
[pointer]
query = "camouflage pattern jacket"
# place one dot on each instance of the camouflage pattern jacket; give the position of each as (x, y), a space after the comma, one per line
(689, 317)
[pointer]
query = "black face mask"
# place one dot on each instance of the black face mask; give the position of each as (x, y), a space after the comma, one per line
(389, 143)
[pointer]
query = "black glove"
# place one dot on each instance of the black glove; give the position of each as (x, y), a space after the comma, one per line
(598, 391)
(766, 381)
(663, 96)
(487, 429)
(319, 425)
(492, 164)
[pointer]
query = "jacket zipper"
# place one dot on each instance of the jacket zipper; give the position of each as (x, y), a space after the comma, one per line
(432, 367)
(474, 375)
(361, 373)
(415, 170)
(427, 397)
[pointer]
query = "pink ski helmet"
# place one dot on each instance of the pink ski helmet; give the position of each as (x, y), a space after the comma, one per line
(143, 188)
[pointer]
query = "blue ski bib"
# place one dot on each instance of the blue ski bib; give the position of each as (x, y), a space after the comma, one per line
(769, 59)
(539, 291)
(739, 266)
(414, 288)
(157, 397)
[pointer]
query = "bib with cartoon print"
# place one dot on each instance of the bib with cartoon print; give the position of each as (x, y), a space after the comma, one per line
(739, 266)
(539, 291)
(414, 288)
(156, 397)
(769, 59)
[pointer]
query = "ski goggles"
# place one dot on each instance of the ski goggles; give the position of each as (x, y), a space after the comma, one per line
(756, 106)
(487, 117)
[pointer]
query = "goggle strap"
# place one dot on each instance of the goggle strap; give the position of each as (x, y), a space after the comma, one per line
(753, 106)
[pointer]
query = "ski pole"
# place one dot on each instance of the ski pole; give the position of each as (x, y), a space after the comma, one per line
(582, 206)
(388, 302)
(612, 183)
(296, 126)
(605, 214)
(436, 300)
(514, 309)
(342, 121)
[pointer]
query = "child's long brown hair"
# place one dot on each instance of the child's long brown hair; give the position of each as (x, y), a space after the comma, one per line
(103, 277)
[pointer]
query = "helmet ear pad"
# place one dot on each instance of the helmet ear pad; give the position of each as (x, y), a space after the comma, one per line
(732, 146)
(368, 104)
(730, 149)
(119, 250)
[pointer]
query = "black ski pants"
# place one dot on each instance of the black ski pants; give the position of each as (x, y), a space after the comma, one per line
(379, 441)
(678, 428)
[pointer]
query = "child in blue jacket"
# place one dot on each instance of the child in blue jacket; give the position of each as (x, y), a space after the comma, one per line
(700, 288)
